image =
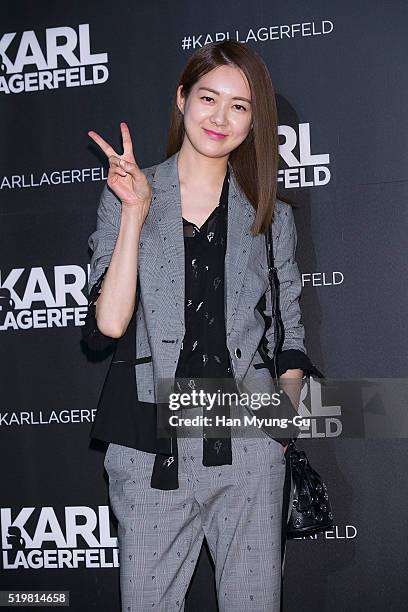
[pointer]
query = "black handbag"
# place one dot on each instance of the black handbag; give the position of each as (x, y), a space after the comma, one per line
(311, 509)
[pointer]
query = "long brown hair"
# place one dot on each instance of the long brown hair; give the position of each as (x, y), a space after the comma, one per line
(255, 160)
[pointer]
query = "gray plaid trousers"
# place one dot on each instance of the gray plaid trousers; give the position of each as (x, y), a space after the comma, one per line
(238, 508)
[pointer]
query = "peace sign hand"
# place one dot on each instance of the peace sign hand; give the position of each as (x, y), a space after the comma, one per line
(125, 178)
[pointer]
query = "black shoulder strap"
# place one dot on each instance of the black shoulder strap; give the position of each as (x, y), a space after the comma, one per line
(279, 328)
(276, 314)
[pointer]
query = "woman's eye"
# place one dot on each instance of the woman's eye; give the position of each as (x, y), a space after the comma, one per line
(210, 98)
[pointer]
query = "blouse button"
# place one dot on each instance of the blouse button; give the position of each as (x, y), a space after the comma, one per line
(238, 353)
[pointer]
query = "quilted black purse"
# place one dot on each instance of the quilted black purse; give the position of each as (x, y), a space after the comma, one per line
(311, 509)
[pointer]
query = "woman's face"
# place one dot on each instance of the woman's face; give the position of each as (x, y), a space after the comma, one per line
(219, 102)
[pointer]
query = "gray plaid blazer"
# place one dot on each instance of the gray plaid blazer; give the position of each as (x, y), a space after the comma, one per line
(160, 309)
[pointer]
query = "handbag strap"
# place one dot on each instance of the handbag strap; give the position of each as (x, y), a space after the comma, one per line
(279, 328)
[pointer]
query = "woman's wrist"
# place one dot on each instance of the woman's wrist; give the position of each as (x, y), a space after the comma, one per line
(133, 214)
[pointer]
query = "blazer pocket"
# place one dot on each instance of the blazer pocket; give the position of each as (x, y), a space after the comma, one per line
(144, 378)
(137, 361)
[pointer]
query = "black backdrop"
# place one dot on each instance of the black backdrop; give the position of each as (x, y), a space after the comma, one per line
(340, 76)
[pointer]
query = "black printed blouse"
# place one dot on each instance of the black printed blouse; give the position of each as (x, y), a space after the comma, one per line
(204, 352)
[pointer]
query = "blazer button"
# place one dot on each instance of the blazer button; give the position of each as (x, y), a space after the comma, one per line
(238, 353)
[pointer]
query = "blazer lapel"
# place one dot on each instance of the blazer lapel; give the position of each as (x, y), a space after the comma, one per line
(239, 245)
(166, 208)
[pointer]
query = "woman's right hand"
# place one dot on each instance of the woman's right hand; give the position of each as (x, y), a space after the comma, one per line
(125, 178)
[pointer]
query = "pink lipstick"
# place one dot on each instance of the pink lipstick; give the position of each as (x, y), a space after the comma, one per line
(214, 135)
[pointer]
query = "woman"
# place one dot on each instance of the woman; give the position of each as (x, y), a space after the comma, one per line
(179, 249)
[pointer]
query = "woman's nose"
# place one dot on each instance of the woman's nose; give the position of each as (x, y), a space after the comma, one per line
(219, 116)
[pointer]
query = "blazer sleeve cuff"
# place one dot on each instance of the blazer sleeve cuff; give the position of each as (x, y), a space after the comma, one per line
(94, 338)
(294, 358)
